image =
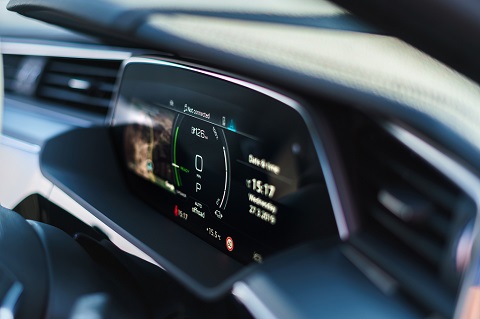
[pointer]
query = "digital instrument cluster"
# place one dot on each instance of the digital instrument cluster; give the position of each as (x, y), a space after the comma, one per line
(230, 161)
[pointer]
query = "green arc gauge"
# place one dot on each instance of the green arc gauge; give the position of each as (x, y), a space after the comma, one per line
(201, 162)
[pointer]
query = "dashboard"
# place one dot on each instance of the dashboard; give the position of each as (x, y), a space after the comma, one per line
(212, 161)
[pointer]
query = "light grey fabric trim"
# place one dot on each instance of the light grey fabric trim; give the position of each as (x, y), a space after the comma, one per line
(375, 64)
(274, 7)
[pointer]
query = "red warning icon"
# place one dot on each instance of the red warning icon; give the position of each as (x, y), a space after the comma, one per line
(229, 243)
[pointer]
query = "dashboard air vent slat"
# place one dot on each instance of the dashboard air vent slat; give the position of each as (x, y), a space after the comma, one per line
(412, 212)
(85, 67)
(82, 83)
(415, 207)
(427, 248)
(78, 98)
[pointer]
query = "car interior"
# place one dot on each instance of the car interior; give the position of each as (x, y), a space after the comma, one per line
(257, 159)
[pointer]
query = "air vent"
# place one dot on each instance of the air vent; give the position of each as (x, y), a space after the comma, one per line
(82, 83)
(11, 65)
(413, 220)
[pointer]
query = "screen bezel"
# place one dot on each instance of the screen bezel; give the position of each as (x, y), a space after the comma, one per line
(301, 110)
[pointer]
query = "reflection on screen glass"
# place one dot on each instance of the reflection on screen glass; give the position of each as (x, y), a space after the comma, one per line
(147, 144)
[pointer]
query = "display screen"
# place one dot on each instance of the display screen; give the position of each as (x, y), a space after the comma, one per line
(234, 166)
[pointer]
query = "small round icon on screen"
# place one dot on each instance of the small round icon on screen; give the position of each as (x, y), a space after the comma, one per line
(229, 243)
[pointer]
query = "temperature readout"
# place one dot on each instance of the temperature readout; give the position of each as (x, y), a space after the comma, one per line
(261, 187)
(212, 232)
